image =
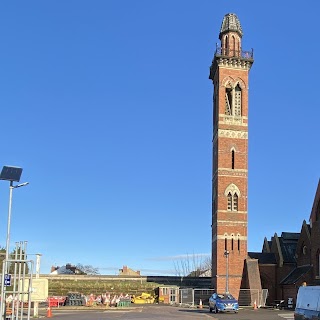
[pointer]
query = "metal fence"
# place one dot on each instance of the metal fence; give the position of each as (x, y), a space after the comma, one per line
(191, 297)
(16, 285)
(247, 297)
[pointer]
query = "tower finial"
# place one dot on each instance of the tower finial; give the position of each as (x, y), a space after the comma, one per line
(230, 23)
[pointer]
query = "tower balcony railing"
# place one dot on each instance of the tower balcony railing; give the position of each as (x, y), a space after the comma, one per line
(226, 52)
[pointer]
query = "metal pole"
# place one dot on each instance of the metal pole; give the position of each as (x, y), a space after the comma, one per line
(8, 226)
(36, 303)
(226, 253)
(6, 269)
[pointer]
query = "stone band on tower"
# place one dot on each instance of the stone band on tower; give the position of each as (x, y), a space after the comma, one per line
(229, 73)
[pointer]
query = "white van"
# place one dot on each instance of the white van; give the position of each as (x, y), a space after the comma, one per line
(308, 303)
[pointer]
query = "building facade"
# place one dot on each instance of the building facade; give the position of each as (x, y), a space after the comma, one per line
(229, 73)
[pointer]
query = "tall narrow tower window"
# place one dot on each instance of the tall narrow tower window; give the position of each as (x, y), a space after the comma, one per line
(228, 106)
(232, 243)
(225, 243)
(229, 201)
(233, 46)
(238, 242)
(235, 202)
(237, 101)
(226, 45)
(232, 159)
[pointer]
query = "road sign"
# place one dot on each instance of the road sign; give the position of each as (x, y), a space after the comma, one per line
(7, 280)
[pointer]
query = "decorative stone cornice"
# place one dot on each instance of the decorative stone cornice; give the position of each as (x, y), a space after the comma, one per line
(231, 62)
(225, 133)
(233, 134)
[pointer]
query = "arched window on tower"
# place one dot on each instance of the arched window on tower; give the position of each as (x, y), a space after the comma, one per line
(235, 202)
(233, 46)
(232, 159)
(225, 46)
(238, 242)
(232, 243)
(228, 104)
(232, 194)
(237, 101)
(225, 243)
(229, 201)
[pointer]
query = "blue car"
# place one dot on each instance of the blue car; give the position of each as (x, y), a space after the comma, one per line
(223, 302)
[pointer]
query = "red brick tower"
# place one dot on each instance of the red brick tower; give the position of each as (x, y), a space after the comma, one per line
(229, 73)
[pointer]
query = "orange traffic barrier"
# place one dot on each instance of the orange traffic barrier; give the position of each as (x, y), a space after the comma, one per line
(255, 305)
(200, 304)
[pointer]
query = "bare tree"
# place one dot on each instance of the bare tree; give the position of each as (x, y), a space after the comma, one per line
(192, 265)
(87, 269)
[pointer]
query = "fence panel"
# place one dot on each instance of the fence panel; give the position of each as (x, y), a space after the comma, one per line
(186, 297)
(247, 297)
(204, 295)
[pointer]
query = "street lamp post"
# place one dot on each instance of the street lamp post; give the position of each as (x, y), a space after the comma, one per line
(11, 174)
(226, 254)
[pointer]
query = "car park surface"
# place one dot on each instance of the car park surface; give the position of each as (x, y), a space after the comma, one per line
(165, 312)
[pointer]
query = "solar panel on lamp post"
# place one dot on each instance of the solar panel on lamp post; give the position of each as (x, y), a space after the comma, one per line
(12, 174)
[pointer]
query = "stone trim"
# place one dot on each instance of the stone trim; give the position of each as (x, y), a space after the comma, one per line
(233, 134)
(231, 222)
(222, 237)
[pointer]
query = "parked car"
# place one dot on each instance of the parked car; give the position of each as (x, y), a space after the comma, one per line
(223, 302)
(308, 303)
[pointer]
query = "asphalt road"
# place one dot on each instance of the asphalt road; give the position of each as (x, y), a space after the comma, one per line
(156, 312)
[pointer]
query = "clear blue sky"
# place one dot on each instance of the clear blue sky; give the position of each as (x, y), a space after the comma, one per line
(107, 106)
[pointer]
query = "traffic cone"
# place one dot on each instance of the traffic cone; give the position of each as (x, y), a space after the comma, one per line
(200, 304)
(49, 313)
(255, 305)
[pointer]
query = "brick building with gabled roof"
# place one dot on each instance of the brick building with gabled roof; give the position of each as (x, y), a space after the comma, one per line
(292, 259)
